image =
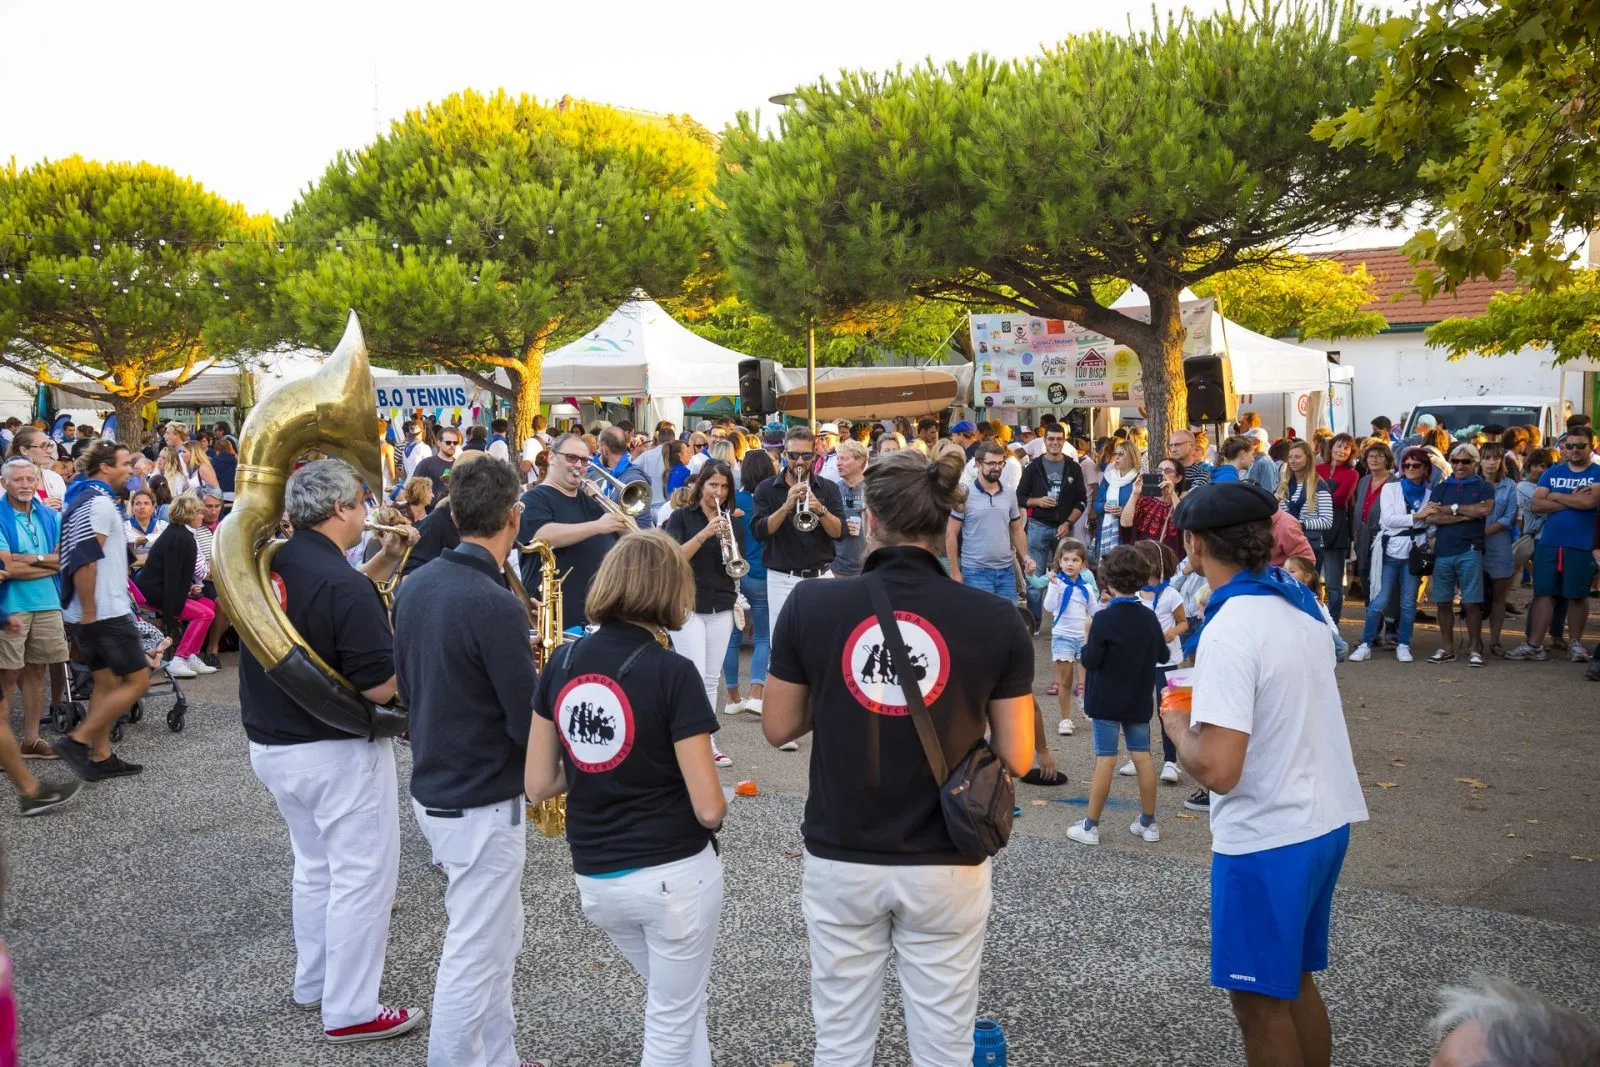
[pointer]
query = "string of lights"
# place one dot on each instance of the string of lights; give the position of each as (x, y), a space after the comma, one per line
(71, 280)
(445, 239)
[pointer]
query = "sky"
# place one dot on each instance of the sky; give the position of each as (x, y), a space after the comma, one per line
(255, 99)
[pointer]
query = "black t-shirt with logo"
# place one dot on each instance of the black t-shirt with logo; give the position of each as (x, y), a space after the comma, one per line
(873, 798)
(627, 804)
(713, 589)
(545, 504)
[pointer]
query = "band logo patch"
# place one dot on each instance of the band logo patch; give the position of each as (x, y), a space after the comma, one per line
(869, 669)
(595, 722)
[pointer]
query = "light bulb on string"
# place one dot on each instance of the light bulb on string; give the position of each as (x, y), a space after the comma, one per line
(162, 241)
(647, 216)
(216, 283)
(338, 245)
(550, 231)
(691, 205)
(448, 240)
(97, 244)
(261, 283)
(61, 279)
(599, 224)
(395, 244)
(221, 245)
(499, 235)
(474, 279)
(280, 247)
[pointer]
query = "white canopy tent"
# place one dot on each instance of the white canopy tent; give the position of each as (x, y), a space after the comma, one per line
(641, 352)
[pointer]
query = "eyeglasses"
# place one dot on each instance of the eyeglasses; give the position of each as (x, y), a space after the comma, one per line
(1413, 466)
(992, 466)
(574, 458)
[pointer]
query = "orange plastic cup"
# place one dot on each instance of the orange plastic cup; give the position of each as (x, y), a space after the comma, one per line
(1179, 699)
(746, 788)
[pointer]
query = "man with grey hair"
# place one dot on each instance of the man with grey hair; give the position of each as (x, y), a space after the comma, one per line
(30, 542)
(1495, 1023)
(337, 792)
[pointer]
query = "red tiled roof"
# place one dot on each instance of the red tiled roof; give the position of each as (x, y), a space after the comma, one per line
(1398, 300)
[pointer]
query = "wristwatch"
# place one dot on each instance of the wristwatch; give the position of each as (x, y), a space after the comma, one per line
(1455, 509)
(38, 559)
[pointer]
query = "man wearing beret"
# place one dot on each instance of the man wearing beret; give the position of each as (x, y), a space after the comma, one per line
(1266, 734)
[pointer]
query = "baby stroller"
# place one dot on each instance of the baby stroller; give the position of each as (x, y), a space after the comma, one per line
(74, 706)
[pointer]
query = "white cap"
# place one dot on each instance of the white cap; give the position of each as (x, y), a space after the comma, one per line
(829, 427)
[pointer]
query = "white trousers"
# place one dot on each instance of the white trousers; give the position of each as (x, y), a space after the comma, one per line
(664, 919)
(932, 919)
(779, 585)
(340, 802)
(703, 641)
(483, 852)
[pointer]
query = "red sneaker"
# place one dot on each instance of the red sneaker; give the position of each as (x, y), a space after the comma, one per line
(391, 1022)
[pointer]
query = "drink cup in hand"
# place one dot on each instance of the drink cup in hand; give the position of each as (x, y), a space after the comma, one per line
(853, 526)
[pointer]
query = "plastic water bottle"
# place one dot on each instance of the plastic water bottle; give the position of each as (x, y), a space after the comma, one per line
(988, 1044)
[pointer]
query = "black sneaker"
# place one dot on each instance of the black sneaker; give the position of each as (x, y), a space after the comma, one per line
(1199, 800)
(76, 755)
(113, 766)
(1593, 673)
(49, 796)
(210, 660)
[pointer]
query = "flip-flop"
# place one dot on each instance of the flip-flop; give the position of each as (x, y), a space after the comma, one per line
(1052, 690)
(1036, 777)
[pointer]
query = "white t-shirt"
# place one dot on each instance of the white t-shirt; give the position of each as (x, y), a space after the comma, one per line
(499, 450)
(1165, 608)
(1035, 448)
(1265, 668)
(409, 461)
(111, 576)
(1010, 474)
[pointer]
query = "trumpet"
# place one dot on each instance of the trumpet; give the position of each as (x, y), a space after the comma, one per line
(805, 519)
(732, 562)
(387, 586)
(634, 497)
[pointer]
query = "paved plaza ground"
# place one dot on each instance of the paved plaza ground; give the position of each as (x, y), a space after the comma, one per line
(150, 920)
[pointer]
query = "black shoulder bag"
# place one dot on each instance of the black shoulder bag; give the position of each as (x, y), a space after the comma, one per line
(978, 796)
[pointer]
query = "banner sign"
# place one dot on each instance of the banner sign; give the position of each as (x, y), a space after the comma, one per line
(1025, 361)
(424, 391)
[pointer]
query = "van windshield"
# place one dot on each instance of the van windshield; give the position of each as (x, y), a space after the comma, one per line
(1463, 420)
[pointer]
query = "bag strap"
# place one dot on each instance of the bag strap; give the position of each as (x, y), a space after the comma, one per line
(931, 747)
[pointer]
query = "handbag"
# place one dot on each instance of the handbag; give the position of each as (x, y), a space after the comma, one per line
(978, 797)
(1420, 562)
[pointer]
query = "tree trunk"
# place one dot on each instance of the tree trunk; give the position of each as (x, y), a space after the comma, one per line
(1166, 395)
(130, 422)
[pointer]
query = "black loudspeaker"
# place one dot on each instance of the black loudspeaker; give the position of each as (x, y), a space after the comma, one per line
(1211, 395)
(758, 387)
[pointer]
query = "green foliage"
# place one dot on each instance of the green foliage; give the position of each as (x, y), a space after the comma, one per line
(1161, 158)
(1297, 296)
(919, 328)
(127, 310)
(1566, 321)
(493, 175)
(1501, 102)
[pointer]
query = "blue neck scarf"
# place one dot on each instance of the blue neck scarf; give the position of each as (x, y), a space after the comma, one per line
(1073, 585)
(1413, 492)
(1272, 581)
(80, 485)
(1155, 591)
(133, 521)
(1124, 600)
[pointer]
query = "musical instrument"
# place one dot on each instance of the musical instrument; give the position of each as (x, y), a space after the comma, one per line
(732, 561)
(387, 586)
(632, 497)
(331, 411)
(550, 816)
(805, 519)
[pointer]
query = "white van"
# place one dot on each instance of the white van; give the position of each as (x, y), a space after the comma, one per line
(1466, 415)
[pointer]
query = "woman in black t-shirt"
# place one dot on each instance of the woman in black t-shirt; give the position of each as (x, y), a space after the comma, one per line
(628, 721)
(703, 637)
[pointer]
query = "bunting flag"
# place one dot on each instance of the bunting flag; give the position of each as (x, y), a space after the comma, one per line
(475, 409)
(438, 414)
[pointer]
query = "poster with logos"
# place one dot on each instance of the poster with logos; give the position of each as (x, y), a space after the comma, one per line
(1024, 361)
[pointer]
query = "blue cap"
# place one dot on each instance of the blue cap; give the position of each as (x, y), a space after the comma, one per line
(964, 426)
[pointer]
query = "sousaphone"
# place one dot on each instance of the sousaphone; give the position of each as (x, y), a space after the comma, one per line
(332, 411)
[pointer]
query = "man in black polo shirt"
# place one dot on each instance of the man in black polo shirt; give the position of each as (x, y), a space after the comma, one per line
(882, 872)
(792, 555)
(469, 686)
(561, 513)
(337, 793)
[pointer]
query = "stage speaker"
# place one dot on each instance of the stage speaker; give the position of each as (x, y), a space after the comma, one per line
(758, 387)
(1211, 395)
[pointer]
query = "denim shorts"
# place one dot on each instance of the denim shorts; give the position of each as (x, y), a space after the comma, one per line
(1463, 571)
(1108, 731)
(1562, 572)
(1066, 647)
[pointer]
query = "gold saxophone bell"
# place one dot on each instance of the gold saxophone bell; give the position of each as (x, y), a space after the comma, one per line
(549, 816)
(332, 412)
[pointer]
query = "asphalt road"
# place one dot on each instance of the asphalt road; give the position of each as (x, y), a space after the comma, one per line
(149, 921)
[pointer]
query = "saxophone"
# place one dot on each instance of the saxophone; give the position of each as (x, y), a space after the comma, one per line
(550, 816)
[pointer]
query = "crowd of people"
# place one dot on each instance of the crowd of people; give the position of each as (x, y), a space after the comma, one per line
(675, 548)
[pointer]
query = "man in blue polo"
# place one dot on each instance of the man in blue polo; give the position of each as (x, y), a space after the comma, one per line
(30, 539)
(982, 540)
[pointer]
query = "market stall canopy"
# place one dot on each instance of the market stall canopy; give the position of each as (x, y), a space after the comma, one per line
(874, 392)
(640, 351)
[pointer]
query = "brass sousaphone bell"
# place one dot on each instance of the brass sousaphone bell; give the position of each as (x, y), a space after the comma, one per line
(332, 411)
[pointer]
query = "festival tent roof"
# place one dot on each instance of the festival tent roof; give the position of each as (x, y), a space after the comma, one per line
(640, 351)
(1260, 364)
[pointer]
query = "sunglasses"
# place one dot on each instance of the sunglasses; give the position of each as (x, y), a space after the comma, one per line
(1459, 460)
(1575, 446)
(1413, 466)
(799, 456)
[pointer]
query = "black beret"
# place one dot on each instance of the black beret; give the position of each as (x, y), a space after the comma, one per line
(1205, 507)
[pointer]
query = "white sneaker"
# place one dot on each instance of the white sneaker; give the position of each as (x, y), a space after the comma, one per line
(1362, 653)
(1151, 833)
(1577, 653)
(734, 707)
(1403, 653)
(753, 706)
(1171, 772)
(1065, 729)
(789, 746)
(178, 667)
(200, 666)
(1127, 770)
(1086, 835)
(720, 758)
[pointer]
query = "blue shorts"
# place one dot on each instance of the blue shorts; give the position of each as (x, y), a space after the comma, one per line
(1463, 571)
(1066, 647)
(1562, 572)
(1269, 914)
(1108, 731)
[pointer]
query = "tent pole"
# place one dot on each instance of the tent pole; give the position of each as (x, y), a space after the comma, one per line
(811, 374)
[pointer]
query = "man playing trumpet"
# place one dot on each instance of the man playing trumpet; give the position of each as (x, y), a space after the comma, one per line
(566, 515)
(798, 517)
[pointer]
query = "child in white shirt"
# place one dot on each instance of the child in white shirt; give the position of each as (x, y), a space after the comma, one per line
(1162, 595)
(1072, 599)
